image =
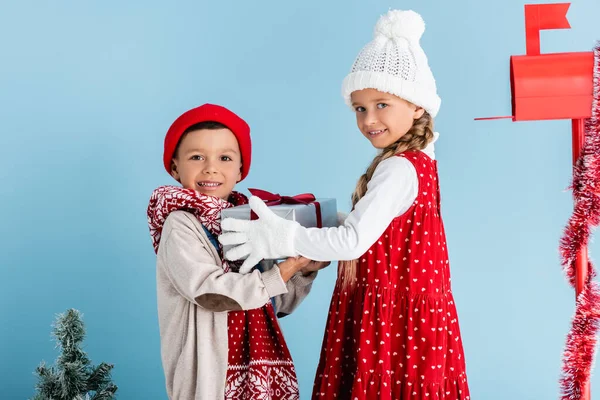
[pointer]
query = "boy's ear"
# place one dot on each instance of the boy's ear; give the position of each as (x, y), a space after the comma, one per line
(174, 172)
(239, 178)
(418, 113)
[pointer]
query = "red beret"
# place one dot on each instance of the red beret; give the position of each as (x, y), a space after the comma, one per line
(205, 113)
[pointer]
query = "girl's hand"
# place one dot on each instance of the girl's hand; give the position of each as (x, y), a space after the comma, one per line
(341, 218)
(268, 237)
(313, 266)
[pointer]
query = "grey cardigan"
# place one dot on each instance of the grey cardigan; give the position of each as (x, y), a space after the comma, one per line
(194, 294)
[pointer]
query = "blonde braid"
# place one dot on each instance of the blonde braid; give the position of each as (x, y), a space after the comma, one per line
(417, 138)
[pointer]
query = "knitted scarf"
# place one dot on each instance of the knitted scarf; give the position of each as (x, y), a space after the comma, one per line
(166, 199)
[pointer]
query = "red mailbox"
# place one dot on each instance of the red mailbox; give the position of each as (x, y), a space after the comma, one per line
(561, 86)
(552, 86)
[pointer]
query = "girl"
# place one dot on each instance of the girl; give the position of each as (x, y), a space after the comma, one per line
(219, 334)
(392, 330)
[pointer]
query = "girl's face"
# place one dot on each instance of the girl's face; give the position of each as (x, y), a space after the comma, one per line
(208, 161)
(382, 117)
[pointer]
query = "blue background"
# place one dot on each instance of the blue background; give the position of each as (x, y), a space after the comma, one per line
(88, 89)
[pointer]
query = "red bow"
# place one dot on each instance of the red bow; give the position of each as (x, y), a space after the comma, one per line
(273, 199)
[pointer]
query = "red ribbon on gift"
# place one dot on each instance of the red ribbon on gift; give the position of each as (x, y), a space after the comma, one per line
(273, 199)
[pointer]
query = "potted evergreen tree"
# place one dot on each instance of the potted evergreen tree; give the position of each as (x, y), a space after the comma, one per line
(73, 377)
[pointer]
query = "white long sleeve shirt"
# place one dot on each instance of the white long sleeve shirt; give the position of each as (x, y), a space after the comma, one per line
(391, 191)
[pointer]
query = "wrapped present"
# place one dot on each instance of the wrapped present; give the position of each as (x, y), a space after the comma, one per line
(305, 209)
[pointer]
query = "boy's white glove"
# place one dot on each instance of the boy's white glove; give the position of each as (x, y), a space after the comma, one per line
(268, 237)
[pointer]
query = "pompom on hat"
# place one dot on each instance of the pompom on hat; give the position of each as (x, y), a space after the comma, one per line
(394, 62)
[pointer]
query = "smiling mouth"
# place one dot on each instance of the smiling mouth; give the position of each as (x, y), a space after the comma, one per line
(208, 185)
(377, 132)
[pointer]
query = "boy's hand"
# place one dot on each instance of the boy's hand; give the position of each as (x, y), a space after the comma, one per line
(313, 266)
(289, 267)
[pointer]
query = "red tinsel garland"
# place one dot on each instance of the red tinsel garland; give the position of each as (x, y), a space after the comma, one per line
(579, 351)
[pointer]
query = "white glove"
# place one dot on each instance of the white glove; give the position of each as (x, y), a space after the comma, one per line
(268, 237)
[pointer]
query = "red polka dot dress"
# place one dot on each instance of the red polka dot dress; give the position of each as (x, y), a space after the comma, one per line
(395, 333)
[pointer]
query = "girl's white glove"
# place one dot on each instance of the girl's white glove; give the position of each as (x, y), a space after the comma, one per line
(341, 218)
(268, 237)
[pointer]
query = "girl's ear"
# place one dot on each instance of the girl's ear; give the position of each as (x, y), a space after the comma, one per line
(419, 111)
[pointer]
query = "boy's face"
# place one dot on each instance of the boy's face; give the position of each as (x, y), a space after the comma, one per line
(382, 117)
(208, 161)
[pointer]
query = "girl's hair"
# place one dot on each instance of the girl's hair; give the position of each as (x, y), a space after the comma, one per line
(417, 138)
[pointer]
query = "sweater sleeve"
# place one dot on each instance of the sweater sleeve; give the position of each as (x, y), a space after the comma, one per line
(391, 191)
(191, 270)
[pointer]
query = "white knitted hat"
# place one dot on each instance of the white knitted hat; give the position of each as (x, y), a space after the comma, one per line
(394, 62)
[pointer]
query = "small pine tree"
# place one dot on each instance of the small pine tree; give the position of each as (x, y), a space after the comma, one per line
(73, 377)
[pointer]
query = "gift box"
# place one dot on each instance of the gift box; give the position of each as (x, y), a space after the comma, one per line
(305, 209)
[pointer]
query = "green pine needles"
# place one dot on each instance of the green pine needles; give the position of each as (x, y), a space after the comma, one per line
(73, 377)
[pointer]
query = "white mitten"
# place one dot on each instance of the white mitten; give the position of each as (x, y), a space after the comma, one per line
(341, 218)
(268, 237)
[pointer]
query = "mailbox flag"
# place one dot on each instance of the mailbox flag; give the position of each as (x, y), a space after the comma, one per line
(541, 17)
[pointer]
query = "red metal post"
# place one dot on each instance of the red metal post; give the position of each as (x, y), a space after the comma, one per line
(581, 264)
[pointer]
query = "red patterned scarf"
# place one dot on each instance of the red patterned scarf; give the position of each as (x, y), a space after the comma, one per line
(207, 209)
